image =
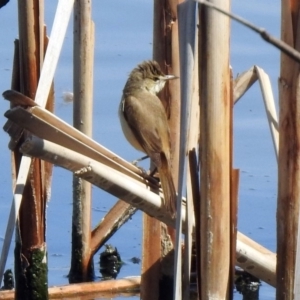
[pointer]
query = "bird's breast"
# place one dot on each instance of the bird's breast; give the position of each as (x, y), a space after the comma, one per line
(127, 130)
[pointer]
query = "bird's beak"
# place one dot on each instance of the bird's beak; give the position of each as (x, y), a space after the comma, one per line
(169, 77)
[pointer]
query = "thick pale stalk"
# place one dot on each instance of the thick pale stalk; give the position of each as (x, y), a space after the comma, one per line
(256, 259)
(215, 151)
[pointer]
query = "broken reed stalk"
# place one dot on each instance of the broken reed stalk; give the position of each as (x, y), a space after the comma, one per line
(83, 48)
(214, 86)
(244, 81)
(269, 103)
(289, 155)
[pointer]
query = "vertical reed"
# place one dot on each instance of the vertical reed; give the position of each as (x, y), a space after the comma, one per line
(81, 261)
(193, 191)
(31, 282)
(214, 85)
(166, 52)
(289, 154)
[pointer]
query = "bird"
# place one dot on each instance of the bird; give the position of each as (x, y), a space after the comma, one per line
(145, 124)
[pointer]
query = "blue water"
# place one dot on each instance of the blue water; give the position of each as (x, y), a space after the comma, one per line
(123, 39)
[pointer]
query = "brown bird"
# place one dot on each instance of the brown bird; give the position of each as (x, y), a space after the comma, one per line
(145, 125)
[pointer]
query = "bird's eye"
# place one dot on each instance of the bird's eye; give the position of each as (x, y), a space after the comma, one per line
(156, 78)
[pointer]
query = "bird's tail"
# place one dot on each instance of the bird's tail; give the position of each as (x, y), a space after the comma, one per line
(167, 184)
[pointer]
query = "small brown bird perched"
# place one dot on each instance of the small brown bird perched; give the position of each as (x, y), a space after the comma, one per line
(145, 125)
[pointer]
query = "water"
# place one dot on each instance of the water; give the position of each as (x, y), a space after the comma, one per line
(123, 39)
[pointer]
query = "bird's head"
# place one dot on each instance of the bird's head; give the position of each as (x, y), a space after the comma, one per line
(150, 76)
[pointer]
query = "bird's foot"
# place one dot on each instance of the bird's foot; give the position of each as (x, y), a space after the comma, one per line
(144, 172)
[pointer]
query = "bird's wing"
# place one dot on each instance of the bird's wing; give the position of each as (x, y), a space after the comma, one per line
(141, 119)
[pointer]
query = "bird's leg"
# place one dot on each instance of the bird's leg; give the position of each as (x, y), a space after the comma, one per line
(135, 162)
(152, 173)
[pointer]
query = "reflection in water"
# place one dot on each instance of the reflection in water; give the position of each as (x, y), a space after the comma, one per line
(110, 262)
(247, 285)
(8, 280)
